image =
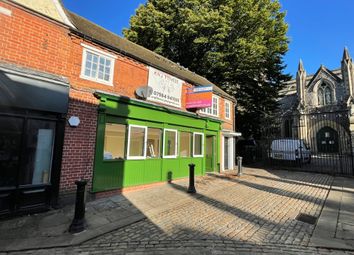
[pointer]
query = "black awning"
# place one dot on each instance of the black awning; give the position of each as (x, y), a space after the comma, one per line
(31, 92)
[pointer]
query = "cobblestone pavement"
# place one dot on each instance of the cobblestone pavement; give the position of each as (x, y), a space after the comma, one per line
(252, 214)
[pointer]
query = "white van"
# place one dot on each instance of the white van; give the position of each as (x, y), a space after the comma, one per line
(290, 149)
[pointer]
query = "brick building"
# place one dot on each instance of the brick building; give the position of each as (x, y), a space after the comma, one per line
(79, 102)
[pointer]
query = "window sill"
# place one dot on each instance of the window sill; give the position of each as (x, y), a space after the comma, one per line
(108, 83)
(170, 156)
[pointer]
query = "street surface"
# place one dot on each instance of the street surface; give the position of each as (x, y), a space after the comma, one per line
(252, 214)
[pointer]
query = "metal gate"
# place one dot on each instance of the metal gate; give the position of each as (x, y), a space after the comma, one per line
(314, 142)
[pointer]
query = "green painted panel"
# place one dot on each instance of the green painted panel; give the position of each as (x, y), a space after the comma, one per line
(152, 171)
(123, 173)
(109, 175)
(171, 165)
(134, 172)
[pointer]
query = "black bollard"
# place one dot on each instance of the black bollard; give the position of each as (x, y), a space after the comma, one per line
(79, 224)
(239, 166)
(169, 176)
(191, 188)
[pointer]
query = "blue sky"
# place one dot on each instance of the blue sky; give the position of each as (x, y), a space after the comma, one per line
(318, 29)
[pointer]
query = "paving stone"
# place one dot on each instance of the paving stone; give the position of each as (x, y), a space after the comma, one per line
(254, 214)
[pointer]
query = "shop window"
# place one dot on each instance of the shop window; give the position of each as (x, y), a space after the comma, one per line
(153, 143)
(170, 143)
(114, 141)
(198, 144)
(227, 110)
(213, 110)
(185, 144)
(136, 142)
(97, 65)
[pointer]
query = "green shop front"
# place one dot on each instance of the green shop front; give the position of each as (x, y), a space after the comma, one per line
(141, 143)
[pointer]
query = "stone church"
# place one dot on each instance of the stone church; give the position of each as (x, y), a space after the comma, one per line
(319, 108)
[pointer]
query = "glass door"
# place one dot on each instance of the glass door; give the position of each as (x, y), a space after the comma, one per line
(10, 150)
(26, 155)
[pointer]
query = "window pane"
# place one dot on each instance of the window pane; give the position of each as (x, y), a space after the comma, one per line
(328, 96)
(137, 141)
(95, 59)
(10, 149)
(114, 141)
(39, 152)
(227, 110)
(94, 71)
(102, 60)
(320, 96)
(198, 144)
(209, 110)
(89, 56)
(186, 142)
(170, 143)
(153, 143)
(215, 106)
(87, 72)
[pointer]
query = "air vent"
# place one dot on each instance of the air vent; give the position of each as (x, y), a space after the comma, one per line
(306, 218)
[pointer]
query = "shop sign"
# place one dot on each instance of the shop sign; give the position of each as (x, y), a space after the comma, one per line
(199, 97)
(167, 89)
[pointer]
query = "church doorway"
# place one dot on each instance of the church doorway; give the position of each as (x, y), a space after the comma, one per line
(327, 140)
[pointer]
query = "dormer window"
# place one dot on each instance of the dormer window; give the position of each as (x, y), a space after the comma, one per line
(325, 94)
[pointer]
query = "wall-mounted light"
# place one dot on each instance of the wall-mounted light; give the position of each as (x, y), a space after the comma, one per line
(74, 121)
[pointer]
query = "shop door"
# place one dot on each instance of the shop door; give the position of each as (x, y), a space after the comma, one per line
(26, 153)
(226, 153)
(210, 154)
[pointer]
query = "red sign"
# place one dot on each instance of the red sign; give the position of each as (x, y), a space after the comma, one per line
(199, 97)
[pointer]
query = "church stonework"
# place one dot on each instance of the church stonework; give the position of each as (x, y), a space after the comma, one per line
(319, 108)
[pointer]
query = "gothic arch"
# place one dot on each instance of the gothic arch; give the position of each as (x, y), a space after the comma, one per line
(317, 85)
(342, 132)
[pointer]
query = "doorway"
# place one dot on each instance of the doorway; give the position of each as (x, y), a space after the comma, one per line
(226, 153)
(29, 162)
(210, 154)
(327, 140)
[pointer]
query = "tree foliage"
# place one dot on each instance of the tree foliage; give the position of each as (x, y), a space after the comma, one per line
(237, 44)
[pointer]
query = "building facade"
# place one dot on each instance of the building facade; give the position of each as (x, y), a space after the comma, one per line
(79, 102)
(318, 108)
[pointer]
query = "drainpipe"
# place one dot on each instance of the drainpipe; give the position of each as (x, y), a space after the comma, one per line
(234, 129)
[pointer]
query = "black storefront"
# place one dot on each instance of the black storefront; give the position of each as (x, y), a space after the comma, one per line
(33, 108)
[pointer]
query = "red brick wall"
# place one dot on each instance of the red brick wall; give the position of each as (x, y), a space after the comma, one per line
(33, 42)
(39, 43)
(79, 142)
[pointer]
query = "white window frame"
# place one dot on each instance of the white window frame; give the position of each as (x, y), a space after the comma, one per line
(90, 49)
(229, 112)
(205, 110)
(145, 142)
(176, 143)
(197, 155)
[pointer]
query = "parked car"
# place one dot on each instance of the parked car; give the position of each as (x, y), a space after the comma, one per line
(290, 150)
(247, 149)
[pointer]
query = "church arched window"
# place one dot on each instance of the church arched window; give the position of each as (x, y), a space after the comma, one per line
(325, 94)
